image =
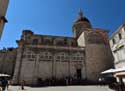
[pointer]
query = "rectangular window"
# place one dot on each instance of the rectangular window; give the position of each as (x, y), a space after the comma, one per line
(50, 57)
(33, 56)
(62, 57)
(120, 36)
(35, 41)
(29, 56)
(113, 41)
(77, 58)
(46, 56)
(41, 56)
(58, 57)
(81, 58)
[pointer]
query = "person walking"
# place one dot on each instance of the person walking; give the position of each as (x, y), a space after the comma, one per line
(22, 84)
(4, 84)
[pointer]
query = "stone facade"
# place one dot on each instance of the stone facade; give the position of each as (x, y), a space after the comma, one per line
(46, 57)
(98, 53)
(3, 9)
(7, 61)
(117, 44)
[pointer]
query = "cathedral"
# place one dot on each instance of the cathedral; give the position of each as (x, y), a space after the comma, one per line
(43, 57)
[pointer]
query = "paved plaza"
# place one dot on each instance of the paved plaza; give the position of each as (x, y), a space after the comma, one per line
(62, 88)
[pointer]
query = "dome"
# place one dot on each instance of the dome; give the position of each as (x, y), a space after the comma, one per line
(80, 25)
(82, 21)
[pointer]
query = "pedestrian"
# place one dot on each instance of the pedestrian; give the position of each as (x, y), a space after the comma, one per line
(22, 84)
(100, 81)
(4, 84)
(66, 80)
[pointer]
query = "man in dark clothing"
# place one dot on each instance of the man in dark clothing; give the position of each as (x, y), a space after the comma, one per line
(4, 84)
(22, 84)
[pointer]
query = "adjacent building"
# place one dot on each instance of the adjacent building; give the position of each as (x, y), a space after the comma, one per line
(7, 60)
(44, 57)
(117, 43)
(3, 9)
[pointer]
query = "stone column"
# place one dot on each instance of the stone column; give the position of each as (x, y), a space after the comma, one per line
(69, 68)
(69, 63)
(54, 66)
(16, 76)
(84, 67)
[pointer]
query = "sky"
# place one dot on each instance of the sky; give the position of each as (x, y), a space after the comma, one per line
(56, 17)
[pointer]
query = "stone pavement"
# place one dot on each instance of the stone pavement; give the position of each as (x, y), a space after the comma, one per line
(62, 88)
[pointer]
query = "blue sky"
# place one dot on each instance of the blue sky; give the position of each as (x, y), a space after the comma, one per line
(56, 17)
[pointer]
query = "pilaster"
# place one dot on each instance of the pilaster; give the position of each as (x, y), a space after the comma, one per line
(16, 76)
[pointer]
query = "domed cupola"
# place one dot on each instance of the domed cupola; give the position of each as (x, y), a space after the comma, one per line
(81, 24)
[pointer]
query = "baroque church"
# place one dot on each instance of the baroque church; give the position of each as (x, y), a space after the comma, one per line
(43, 57)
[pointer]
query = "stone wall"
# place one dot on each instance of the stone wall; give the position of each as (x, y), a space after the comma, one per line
(81, 40)
(34, 39)
(7, 61)
(98, 54)
(47, 63)
(1, 27)
(3, 9)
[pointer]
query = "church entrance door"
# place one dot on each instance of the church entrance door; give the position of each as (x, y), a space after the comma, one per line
(79, 74)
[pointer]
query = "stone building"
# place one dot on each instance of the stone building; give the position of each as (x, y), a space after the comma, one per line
(82, 56)
(117, 43)
(3, 9)
(7, 61)
(43, 57)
